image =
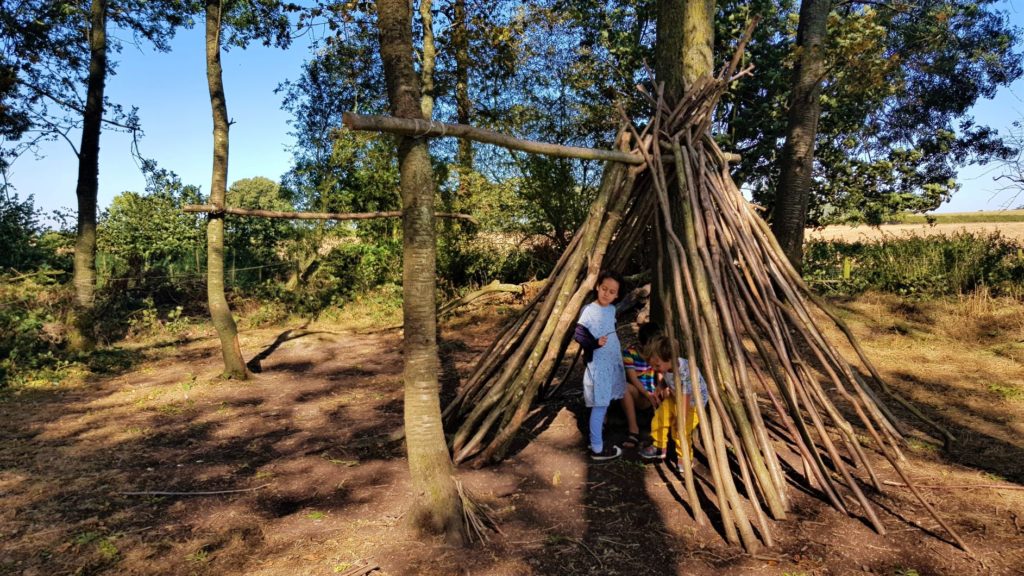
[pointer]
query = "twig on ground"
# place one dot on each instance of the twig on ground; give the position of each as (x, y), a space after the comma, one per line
(587, 548)
(361, 570)
(957, 486)
(203, 493)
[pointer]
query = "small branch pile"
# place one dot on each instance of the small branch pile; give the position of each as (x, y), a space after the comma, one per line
(734, 307)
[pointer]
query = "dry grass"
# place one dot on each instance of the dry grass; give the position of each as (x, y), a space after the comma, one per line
(1013, 230)
(962, 360)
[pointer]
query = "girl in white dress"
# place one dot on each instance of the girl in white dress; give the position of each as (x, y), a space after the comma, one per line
(604, 379)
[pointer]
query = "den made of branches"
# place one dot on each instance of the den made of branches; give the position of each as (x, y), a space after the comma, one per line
(780, 390)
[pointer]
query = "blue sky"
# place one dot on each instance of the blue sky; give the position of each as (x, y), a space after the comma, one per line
(170, 91)
(174, 109)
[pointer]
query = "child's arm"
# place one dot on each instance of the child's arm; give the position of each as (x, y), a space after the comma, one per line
(586, 338)
(631, 377)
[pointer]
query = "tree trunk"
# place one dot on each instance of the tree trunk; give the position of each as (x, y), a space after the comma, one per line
(220, 312)
(668, 48)
(683, 53)
(437, 506)
(698, 40)
(789, 214)
(428, 61)
(463, 104)
(81, 337)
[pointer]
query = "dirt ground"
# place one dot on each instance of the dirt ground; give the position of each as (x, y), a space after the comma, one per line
(309, 484)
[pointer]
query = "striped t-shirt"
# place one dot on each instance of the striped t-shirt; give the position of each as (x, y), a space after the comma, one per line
(633, 360)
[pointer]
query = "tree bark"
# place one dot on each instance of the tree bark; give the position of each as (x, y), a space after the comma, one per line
(81, 336)
(437, 506)
(668, 48)
(789, 214)
(428, 61)
(463, 103)
(698, 40)
(220, 312)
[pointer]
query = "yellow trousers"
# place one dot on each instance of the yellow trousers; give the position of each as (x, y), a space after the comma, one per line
(664, 422)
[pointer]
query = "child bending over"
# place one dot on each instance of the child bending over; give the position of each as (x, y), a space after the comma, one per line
(659, 355)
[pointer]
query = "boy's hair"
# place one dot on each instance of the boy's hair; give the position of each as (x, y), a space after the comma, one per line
(646, 332)
(659, 347)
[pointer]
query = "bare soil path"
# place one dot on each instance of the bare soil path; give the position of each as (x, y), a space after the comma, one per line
(325, 491)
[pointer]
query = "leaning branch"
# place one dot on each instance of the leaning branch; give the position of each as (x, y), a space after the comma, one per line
(423, 128)
(492, 288)
(211, 209)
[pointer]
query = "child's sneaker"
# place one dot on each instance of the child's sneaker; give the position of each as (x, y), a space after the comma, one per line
(609, 453)
(652, 452)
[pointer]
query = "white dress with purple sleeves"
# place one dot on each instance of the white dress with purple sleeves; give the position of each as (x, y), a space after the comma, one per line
(604, 378)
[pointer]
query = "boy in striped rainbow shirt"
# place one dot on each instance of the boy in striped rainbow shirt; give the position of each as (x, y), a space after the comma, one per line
(641, 389)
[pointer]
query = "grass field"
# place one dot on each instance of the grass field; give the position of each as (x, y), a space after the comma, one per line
(984, 223)
(965, 217)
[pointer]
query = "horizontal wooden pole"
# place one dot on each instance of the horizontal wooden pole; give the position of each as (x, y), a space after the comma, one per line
(211, 209)
(423, 128)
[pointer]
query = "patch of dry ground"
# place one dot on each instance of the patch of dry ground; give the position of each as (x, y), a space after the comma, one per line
(326, 491)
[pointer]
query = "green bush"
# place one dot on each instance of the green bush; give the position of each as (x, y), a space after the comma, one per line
(31, 333)
(914, 265)
(350, 268)
(476, 263)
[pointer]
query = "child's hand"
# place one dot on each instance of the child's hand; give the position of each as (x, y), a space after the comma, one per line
(601, 341)
(653, 398)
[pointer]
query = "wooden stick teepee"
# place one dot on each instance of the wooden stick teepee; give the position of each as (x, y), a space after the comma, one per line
(734, 307)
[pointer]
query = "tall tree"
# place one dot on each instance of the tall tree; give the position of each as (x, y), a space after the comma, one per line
(220, 312)
(241, 21)
(53, 71)
(789, 214)
(437, 506)
(87, 189)
(899, 80)
(683, 53)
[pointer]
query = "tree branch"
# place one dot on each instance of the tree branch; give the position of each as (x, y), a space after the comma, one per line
(202, 493)
(77, 108)
(493, 287)
(211, 209)
(424, 128)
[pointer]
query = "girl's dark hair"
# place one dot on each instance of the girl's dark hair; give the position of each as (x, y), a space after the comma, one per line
(647, 332)
(606, 274)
